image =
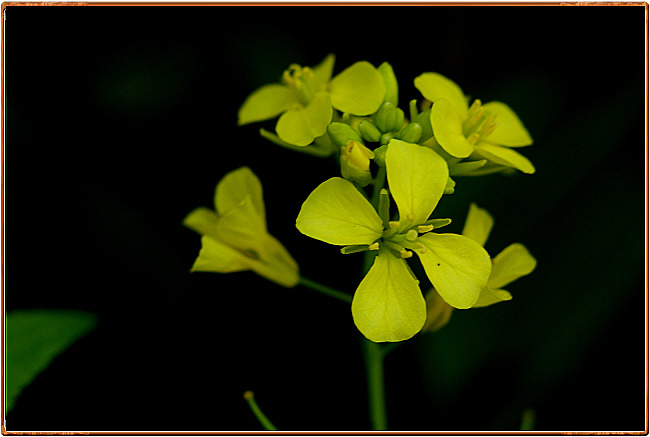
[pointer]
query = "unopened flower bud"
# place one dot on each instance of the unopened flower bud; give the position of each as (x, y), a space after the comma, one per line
(411, 133)
(380, 155)
(451, 186)
(355, 162)
(424, 120)
(369, 131)
(389, 118)
(341, 133)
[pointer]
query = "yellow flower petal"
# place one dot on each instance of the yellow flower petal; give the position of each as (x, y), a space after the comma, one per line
(417, 177)
(512, 263)
(510, 131)
(388, 305)
(478, 224)
(505, 156)
(447, 128)
(358, 90)
(266, 102)
(438, 312)
(235, 187)
(336, 213)
(435, 86)
(301, 125)
(491, 296)
(218, 257)
(323, 71)
(457, 267)
(276, 263)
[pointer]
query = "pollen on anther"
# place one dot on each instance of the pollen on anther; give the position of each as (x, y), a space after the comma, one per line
(393, 224)
(422, 248)
(406, 253)
(423, 229)
(374, 246)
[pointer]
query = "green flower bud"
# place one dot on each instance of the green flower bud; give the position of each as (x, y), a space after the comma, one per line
(424, 120)
(355, 162)
(369, 131)
(341, 133)
(390, 81)
(380, 155)
(411, 133)
(451, 186)
(385, 138)
(389, 118)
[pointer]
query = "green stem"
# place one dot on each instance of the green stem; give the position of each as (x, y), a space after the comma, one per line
(374, 358)
(257, 411)
(373, 352)
(325, 290)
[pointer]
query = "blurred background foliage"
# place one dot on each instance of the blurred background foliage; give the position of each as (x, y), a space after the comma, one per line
(120, 120)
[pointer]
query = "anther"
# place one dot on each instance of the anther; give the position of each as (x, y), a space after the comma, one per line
(421, 248)
(374, 246)
(393, 224)
(405, 253)
(423, 229)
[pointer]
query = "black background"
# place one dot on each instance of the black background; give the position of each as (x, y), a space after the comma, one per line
(120, 120)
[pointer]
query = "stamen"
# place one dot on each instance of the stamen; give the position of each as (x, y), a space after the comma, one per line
(393, 224)
(473, 138)
(374, 246)
(422, 248)
(423, 229)
(406, 253)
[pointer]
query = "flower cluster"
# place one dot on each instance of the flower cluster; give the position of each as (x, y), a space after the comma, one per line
(393, 169)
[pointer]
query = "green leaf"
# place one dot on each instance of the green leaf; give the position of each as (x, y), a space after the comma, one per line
(34, 339)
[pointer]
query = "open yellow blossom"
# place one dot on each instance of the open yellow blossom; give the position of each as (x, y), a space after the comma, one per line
(234, 236)
(512, 263)
(487, 131)
(388, 304)
(306, 96)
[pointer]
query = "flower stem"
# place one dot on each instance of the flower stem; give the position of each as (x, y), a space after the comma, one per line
(325, 290)
(257, 411)
(372, 352)
(374, 358)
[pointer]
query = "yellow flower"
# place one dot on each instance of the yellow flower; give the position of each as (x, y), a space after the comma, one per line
(305, 98)
(512, 263)
(388, 304)
(488, 131)
(234, 236)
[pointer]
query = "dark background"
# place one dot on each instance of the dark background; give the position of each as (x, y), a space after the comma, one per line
(120, 120)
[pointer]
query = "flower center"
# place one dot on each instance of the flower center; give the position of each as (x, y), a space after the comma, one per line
(300, 79)
(479, 123)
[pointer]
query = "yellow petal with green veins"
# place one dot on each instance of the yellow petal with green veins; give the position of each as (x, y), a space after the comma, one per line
(300, 126)
(447, 128)
(457, 267)
(337, 213)
(478, 224)
(266, 102)
(512, 263)
(435, 86)
(358, 90)
(505, 156)
(417, 177)
(388, 304)
(510, 131)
